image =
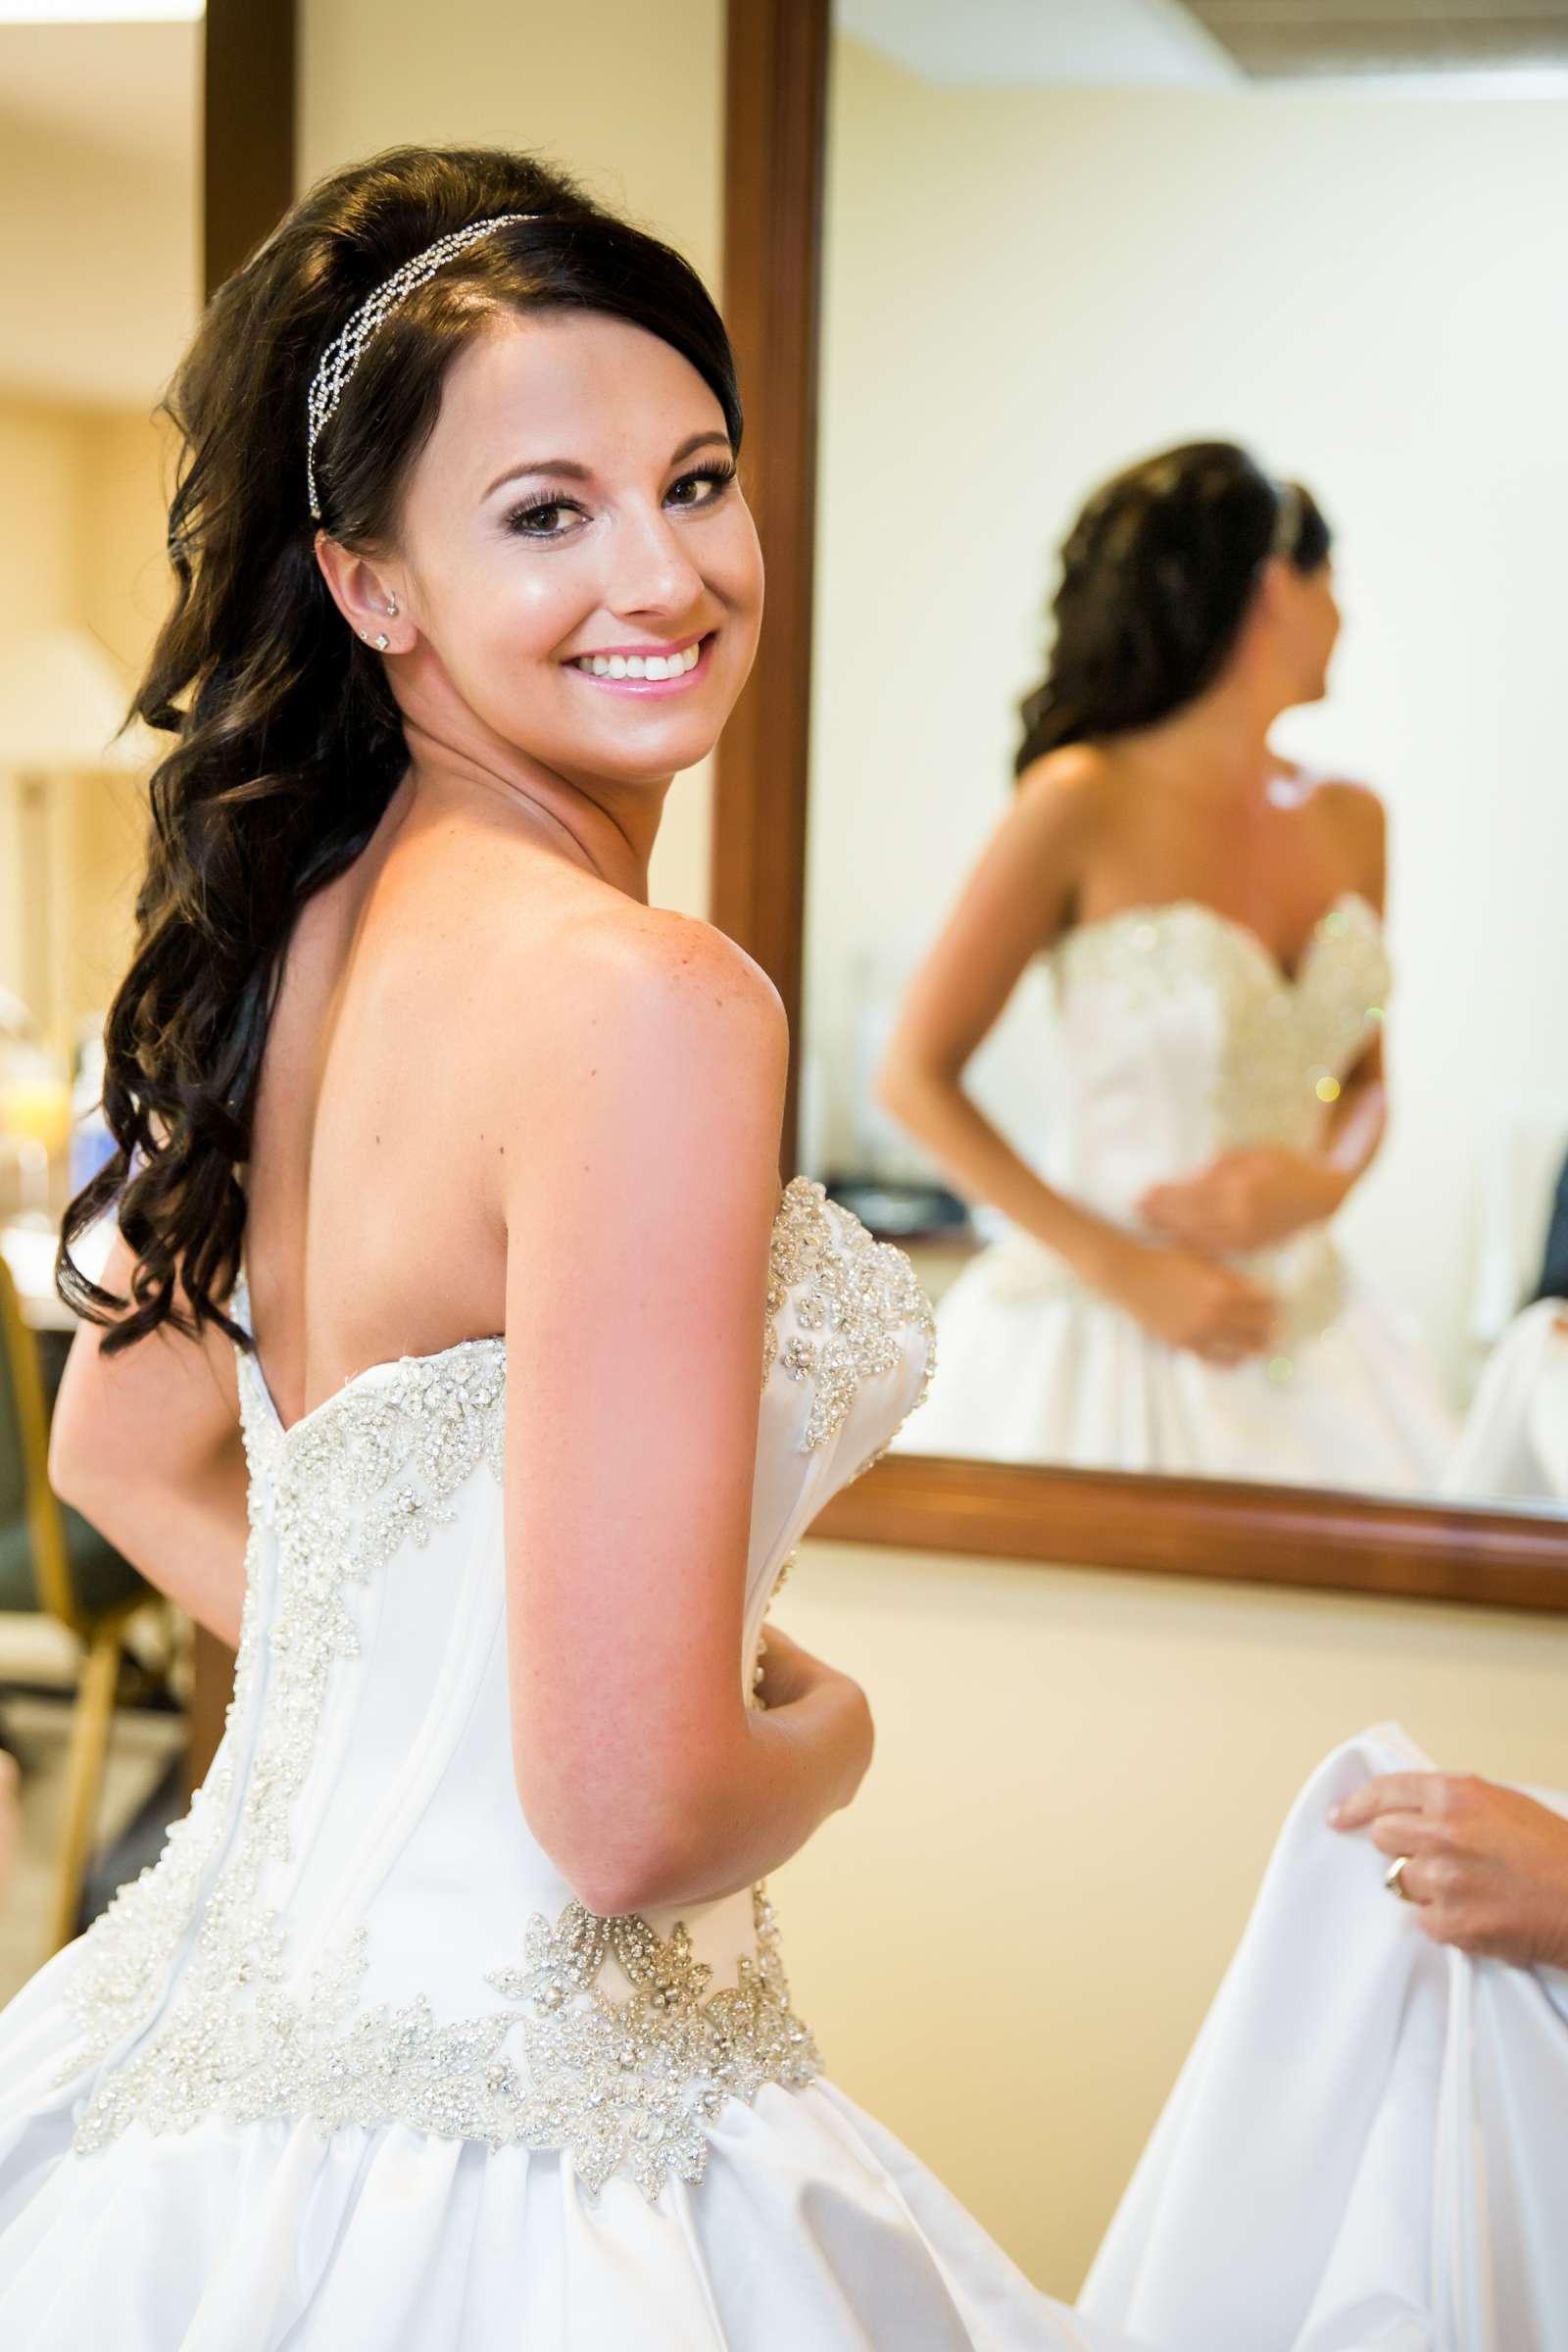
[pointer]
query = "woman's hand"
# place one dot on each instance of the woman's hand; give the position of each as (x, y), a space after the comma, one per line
(1488, 1868)
(1246, 1201)
(825, 1704)
(791, 1673)
(788, 1672)
(1188, 1301)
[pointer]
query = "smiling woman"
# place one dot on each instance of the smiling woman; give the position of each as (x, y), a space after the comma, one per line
(559, 320)
(623, 552)
(468, 1924)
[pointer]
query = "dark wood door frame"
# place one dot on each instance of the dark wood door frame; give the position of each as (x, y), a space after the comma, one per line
(774, 149)
(778, 96)
(247, 150)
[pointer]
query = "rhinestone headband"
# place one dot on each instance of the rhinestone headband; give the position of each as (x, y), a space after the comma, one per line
(343, 354)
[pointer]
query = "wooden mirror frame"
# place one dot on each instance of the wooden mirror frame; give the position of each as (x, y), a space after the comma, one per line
(775, 150)
(245, 168)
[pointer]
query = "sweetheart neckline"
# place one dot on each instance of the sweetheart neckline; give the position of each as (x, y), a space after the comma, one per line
(1149, 911)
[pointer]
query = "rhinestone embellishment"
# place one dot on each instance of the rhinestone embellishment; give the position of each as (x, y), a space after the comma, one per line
(343, 354)
(856, 1303)
(1284, 1037)
(630, 2084)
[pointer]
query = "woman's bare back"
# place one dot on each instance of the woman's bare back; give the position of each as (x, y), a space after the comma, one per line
(372, 1228)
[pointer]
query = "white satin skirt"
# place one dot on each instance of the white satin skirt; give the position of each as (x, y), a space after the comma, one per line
(1367, 2150)
(814, 2231)
(1031, 1366)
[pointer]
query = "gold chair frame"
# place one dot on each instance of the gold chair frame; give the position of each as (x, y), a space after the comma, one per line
(94, 1713)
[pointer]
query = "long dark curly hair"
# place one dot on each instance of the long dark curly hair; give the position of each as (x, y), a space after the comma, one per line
(1157, 577)
(287, 741)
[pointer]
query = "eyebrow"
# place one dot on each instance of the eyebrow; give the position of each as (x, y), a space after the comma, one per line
(568, 469)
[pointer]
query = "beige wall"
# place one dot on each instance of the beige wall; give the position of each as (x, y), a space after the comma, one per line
(82, 493)
(98, 265)
(624, 96)
(40, 464)
(1028, 288)
(1005, 1946)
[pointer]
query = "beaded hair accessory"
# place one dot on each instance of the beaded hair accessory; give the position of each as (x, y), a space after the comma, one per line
(343, 354)
(1287, 519)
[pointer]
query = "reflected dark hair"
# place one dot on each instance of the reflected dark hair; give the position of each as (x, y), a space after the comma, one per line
(287, 740)
(1157, 577)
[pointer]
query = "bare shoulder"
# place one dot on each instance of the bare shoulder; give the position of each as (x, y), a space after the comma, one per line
(542, 937)
(630, 1019)
(661, 975)
(1346, 801)
(1066, 798)
(1354, 815)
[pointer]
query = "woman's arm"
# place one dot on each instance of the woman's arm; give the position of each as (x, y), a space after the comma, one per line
(147, 1445)
(1015, 903)
(638, 1185)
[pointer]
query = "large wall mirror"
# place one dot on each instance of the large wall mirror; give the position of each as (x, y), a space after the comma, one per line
(1208, 367)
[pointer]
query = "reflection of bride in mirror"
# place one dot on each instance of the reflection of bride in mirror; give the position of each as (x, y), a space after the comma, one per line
(1168, 1296)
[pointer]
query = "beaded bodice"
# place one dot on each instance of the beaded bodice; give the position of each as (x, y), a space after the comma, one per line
(353, 1922)
(1179, 1039)
(1188, 1010)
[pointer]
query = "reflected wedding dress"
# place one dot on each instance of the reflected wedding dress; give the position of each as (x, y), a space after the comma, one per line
(1364, 2151)
(1180, 1039)
(350, 2070)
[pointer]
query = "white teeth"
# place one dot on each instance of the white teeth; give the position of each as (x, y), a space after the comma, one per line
(640, 665)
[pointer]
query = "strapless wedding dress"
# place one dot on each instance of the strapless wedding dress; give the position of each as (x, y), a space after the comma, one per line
(1179, 1039)
(351, 2070)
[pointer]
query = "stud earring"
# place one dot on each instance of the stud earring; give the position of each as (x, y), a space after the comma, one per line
(391, 602)
(382, 642)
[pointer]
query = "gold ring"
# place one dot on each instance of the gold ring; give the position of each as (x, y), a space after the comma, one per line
(1394, 1878)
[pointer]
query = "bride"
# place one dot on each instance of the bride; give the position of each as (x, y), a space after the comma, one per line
(1169, 1295)
(462, 1361)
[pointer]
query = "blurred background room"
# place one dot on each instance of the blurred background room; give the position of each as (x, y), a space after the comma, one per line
(99, 289)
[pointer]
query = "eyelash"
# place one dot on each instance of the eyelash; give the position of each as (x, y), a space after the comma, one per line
(717, 470)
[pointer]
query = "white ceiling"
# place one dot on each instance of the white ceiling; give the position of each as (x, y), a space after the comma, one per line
(1295, 40)
(992, 43)
(99, 141)
(1433, 44)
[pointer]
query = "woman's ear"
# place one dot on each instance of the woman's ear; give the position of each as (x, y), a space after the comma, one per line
(366, 597)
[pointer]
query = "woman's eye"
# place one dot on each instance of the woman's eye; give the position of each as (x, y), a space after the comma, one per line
(542, 522)
(703, 487)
